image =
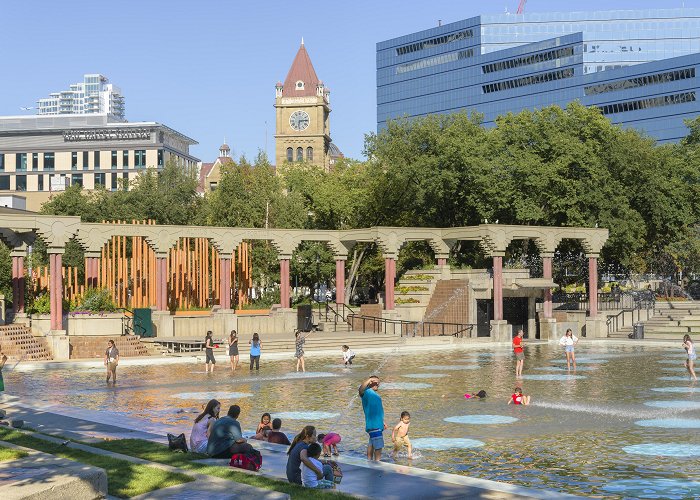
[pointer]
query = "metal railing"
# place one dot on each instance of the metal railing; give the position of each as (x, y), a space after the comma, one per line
(331, 312)
(405, 328)
(610, 301)
(645, 301)
(129, 327)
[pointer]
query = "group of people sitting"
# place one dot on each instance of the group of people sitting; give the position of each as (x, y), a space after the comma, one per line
(223, 438)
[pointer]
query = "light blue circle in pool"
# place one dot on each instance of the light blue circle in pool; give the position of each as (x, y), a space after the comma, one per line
(654, 488)
(563, 368)
(552, 376)
(675, 378)
(675, 389)
(310, 375)
(664, 449)
(581, 360)
(426, 375)
(305, 415)
(481, 419)
(671, 423)
(342, 365)
(679, 405)
(212, 395)
(451, 367)
(675, 369)
(445, 443)
(673, 361)
(404, 386)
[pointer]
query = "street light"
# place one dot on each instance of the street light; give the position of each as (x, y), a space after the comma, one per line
(318, 276)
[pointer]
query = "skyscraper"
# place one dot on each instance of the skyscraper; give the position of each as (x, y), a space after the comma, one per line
(94, 95)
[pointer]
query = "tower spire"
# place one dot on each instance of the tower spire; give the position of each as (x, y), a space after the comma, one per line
(302, 40)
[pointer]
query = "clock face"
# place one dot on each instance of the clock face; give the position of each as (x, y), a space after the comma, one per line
(299, 120)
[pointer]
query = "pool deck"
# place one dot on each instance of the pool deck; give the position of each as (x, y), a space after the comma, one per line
(361, 478)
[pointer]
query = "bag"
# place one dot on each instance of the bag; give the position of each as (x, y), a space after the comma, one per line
(177, 443)
(337, 472)
(251, 460)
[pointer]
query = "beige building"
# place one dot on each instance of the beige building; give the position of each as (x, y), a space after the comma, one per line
(302, 105)
(42, 155)
(210, 173)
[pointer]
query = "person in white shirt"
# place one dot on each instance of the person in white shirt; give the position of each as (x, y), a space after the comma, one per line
(309, 477)
(348, 355)
(569, 340)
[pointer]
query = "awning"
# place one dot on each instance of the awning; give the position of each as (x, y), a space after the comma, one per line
(542, 283)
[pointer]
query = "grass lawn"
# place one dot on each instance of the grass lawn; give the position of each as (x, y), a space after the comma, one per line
(159, 453)
(10, 454)
(124, 478)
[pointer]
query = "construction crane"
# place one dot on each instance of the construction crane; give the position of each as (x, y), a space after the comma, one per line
(521, 6)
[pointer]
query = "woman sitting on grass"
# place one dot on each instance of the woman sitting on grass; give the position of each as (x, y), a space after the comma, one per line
(202, 426)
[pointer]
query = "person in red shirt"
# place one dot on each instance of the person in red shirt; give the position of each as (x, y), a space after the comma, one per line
(518, 398)
(519, 354)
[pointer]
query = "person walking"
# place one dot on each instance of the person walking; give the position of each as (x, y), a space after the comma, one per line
(209, 352)
(299, 341)
(692, 356)
(519, 354)
(233, 349)
(374, 417)
(568, 341)
(3, 360)
(255, 349)
(111, 361)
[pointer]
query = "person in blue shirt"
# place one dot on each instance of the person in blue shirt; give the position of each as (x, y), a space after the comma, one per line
(225, 437)
(255, 348)
(374, 417)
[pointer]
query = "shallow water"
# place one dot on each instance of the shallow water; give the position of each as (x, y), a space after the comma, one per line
(613, 429)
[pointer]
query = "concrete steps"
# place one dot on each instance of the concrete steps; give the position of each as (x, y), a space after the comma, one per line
(18, 342)
(671, 320)
(82, 347)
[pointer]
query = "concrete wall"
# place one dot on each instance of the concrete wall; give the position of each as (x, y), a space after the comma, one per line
(83, 324)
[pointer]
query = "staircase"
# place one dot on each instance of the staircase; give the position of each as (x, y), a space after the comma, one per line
(83, 347)
(18, 343)
(671, 320)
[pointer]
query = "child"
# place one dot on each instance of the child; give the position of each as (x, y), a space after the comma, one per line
(518, 398)
(255, 348)
(3, 360)
(308, 476)
(692, 356)
(330, 443)
(400, 434)
(348, 355)
(263, 425)
(476, 395)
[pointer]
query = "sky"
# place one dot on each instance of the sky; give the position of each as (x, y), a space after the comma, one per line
(208, 68)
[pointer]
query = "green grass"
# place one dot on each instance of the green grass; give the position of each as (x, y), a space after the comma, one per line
(155, 452)
(125, 479)
(10, 454)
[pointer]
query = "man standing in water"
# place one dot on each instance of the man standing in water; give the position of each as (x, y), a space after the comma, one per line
(374, 417)
(519, 354)
(111, 361)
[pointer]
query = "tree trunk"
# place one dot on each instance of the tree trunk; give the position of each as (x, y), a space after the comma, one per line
(351, 282)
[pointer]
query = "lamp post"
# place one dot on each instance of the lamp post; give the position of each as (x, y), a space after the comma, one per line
(318, 276)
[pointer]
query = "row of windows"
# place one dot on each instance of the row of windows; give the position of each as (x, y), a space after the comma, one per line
(631, 83)
(300, 154)
(434, 42)
(434, 61)
(21, 160)
(528, 80)
(653, 102)
(63, 181)
(527, 60)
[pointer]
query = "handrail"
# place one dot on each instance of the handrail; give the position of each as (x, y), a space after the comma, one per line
(128, 324)
(324, 308)
(410, 328)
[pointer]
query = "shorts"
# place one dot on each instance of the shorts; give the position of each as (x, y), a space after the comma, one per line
(519, 356)
(568, 348)
(233, 350)
(399, 443)
(692, 357)
(112, 366)
(333, 440)
(210, 356)
(376, 439)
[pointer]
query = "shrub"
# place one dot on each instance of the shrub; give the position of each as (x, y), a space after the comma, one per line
(96, 300)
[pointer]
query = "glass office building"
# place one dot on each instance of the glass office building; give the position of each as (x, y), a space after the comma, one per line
(638, 67)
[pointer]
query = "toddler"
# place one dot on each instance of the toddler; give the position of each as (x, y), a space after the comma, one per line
(348, 355)
(400, 434)
(330, 443)
(518, 398)
(308, 475)
(476, 395)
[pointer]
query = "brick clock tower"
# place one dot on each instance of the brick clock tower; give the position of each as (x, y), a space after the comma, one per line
(302, 106)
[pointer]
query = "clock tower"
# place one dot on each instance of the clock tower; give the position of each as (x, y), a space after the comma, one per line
(302, 105)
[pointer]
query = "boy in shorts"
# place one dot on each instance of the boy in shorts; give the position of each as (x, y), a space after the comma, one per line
(399, 435)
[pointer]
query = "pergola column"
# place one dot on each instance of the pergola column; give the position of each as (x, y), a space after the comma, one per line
(593, 285)
(547, 274)
(162, 281)
(441, 261)
(225, 281)
(56, 287)
(389, 278)
(18, 280)
(340, 280)
(284, 282)
(92, 269)
(498, 287)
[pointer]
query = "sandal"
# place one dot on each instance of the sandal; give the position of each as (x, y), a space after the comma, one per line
(336, 453)
(326, 455)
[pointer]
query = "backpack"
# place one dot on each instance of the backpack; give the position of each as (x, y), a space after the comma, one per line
(251, 460)
(177, 443)
(337, 472)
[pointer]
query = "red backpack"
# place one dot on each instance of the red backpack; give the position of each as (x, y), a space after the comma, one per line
(251, 460)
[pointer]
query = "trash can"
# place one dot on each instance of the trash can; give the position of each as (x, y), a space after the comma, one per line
(638, 330)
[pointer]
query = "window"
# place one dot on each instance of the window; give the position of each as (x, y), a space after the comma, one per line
(434, 42)
(654, 102)
(434, 61)
(20, 182)
(2, 162)
(77, 179)
(140, 158)
(99, 180)
(115, 178)
(300, 85)
(74, 160)
(631, 83)
(300, 154)
(290, 155)
(40, 179)
(160, 157)
(527, 60)
(4, 182)
(309, 154)
(125, 159)
(86, 160)
(21, 162)
(49, 161)
(96, 159)
(528, 80)
(35, 161)
(114, 160)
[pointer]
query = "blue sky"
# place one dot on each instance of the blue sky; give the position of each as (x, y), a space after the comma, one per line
(208, 68)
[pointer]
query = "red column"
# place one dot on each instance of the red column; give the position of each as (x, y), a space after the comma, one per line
(56, 290)
(91, 271)
(442, 262)
(225, 282)
(389, 278)
(547, 274)
(340, 281)
(161, 283)
(15, 284)
(21, 282)
(592, 286)
(497, 288)
(284, 283)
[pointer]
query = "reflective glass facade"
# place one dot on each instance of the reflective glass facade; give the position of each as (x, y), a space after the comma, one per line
(499, 64)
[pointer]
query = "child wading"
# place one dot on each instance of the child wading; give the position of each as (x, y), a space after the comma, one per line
(400, 434)
(692, 356)
(348, 355)
(518, 398)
